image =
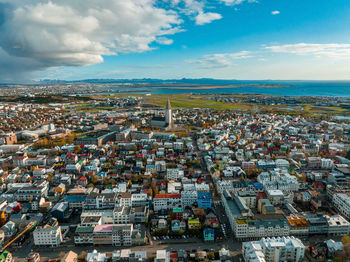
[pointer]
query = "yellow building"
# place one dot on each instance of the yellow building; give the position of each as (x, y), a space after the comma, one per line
(194, 224)
(61, 188)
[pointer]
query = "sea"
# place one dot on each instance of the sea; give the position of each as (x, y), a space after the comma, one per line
(290, 88)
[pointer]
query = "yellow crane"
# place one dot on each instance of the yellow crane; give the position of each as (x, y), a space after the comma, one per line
(30, 226)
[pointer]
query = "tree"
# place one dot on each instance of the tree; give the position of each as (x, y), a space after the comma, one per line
(77, 150)
(345, 240)
(82, 256)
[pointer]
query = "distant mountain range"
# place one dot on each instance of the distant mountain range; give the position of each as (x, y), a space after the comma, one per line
(201, 81)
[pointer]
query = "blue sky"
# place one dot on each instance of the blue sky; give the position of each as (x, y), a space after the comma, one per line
(229, 39)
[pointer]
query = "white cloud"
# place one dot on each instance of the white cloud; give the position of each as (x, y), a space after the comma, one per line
(164, 41)
(205, 18)
(220, 60)
(237, 2)
(78, 33)
(276, 12)
(335, 51)
(53, 33)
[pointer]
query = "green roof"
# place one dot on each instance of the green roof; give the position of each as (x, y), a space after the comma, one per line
(194, 221)
(178, 210)
(84, 229)
(3, 256)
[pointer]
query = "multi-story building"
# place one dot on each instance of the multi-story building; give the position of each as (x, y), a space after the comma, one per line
(253, 229)
(274, 249)
(100, 201)
(112, 234)
(326, 163)
(188, 198)
(139, 214)
(121, 235)
(124, 199)
(298, 225)
(341, 203)
(121, 215)
(204, 200)
(166, 201)
(140, 199)
(48, 236)
(314, 162)
(84, 235)
(36, 191)
(174, 174)
(338, 226)
(317, 223)
(160, 166)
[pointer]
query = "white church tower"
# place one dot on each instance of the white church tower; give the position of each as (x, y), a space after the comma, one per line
(168, 114)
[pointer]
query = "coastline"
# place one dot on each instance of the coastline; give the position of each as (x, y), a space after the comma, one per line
(225, 87)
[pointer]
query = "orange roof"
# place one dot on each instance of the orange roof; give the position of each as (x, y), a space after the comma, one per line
(168, 196)
(313, 193)
(297, 221)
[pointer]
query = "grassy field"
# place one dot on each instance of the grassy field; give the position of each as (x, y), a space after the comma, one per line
(204, 101)
(192, 101)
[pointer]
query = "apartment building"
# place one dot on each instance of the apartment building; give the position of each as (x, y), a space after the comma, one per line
(274, 249)
(166, 201)
(188, 198)
(48, 236)
(341, 203)
(338, 225)
(174, 174)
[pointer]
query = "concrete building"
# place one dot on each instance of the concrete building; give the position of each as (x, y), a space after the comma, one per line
(48, 236)
(188, 198)
(174, 174)
(273, 250)
(341, 203)
(338, 226)
(166, 201)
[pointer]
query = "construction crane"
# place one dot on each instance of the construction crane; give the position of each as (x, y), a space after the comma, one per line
(30, 226)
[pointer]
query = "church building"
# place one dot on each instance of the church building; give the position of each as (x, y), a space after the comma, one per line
(166, 121)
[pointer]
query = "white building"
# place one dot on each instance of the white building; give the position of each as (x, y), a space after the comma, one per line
(275, 196)
(166, 201)
(338, 226)
(282, 163)
(160, 166)
(341, 203)
(50, 236)
(188, 198)
(121, 215)
(96, 257)
(124, 199)
(202, 187)
(273, 249)
(253, 229)
(326, 163)
(174, 174)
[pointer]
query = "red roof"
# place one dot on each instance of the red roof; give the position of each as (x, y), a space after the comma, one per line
(82, 178)
(168, 196)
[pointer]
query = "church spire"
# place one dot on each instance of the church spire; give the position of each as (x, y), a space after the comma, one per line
(168, 105)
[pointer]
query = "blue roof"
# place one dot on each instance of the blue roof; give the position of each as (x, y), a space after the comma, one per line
(74, 198)
(258, 185)
(203, 195)
(208, 230)
(60, 206)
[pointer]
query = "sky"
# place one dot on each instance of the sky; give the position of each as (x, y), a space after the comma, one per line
(224, 39)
